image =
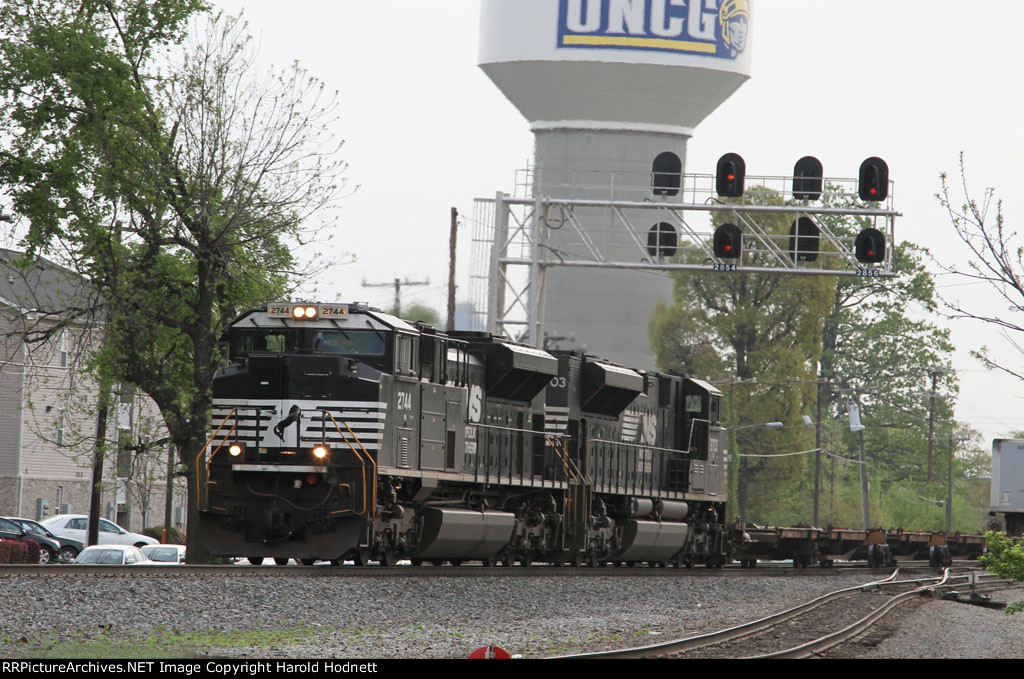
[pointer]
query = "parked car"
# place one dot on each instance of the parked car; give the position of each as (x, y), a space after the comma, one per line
(76, 526)
(165, 554)
(113, 555)
(48, 549)
(69, 548)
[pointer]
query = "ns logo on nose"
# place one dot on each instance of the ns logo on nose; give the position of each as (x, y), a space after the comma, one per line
(717, 28)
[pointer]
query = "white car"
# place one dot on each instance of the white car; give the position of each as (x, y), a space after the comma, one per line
(165, 554)
(113, 555)
(76, 527)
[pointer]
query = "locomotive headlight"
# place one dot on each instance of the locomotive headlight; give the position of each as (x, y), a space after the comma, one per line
(235, 449)
(320, 452)
(307, 312)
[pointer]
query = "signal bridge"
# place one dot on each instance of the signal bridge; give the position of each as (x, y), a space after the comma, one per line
(726, 223)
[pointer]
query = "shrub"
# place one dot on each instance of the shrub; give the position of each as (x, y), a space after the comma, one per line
(174, 536)
(19, 551)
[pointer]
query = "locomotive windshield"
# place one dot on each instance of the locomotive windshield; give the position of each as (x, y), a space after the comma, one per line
(350, 342)
(277, 341)
(307, 341)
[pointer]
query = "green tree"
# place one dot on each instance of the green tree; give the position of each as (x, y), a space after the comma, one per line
(420, 312)
(872, 344)
(737, 327)
(173, 178)
(880, 348)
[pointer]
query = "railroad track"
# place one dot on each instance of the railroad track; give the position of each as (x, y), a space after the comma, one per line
(810, 628)
(325, 570)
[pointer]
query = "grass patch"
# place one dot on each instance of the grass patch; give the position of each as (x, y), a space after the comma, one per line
(161, 644)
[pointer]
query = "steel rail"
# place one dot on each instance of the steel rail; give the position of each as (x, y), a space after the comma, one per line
(731, 633)
(856, 629)
(750, 628)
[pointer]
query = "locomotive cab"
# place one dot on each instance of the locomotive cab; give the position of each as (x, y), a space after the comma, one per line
(298, 420)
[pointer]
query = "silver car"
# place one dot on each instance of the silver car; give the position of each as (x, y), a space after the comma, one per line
(113, 555)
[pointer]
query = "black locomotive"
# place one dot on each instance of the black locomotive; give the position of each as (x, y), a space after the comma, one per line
(341, 432)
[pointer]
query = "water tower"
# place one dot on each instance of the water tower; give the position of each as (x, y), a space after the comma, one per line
(611, 88)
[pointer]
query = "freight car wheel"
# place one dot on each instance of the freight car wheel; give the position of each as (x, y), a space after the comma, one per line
(307, 562)
(281, 560)
(577, 560)
(256, 560)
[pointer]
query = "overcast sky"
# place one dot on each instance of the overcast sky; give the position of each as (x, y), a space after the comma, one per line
(915, 82)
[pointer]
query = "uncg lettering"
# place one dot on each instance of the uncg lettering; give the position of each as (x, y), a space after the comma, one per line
(670, 19)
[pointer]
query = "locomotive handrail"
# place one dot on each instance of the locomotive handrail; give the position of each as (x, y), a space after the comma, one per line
(525, 431)
(202, 452)
(641, 445)
(573, 471)
(373, 479)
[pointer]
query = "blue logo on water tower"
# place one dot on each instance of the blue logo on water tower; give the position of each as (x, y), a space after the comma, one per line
(716, 28)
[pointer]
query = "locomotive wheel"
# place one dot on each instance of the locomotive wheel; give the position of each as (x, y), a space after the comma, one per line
(487, 563)
(256, 560)
(337, 562)
(361, 556)
(281, 560)
(577, 560)
(416, 562)
(507, 561)
(525, 561)
(456, 562)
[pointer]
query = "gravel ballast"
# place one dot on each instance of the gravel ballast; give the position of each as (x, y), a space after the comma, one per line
(409, 617)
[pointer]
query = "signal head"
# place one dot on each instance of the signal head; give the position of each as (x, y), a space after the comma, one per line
(729, 175)
(869, 246)
(728, 242)
(807, 178)
(873, 181)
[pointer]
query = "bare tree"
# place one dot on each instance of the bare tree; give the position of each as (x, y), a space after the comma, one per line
(995, 258)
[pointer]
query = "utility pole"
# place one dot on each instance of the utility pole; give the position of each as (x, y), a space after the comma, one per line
(859, 428)
(817, 452)
(103, 403)
(949, 487)
(453, 234)
(397, 285)
(931, 420)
